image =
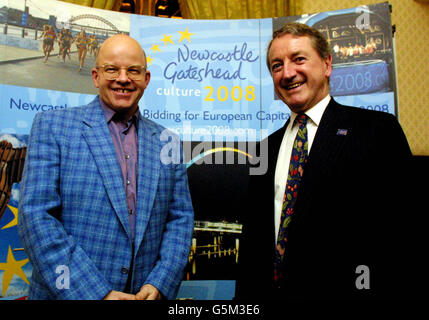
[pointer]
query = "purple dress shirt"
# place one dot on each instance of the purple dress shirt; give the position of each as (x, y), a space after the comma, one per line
(124, 135)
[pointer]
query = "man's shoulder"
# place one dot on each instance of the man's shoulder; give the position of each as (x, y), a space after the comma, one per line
(276, 136)
(69, 113)
(152, 124)
(62, 121)
(364, 123)
(361, 113)
(157, 128)
(356, 115)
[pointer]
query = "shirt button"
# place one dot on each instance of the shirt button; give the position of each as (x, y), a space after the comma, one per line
(124, 270)
(128, 182)
(127, 156)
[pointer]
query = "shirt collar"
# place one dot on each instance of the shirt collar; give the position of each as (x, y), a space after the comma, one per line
(110, 113)
(315, 113)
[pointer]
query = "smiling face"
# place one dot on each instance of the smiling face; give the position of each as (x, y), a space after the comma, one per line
(300, 75)
(121, 94)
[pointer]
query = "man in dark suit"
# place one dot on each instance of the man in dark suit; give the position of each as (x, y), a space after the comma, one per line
(349, 226)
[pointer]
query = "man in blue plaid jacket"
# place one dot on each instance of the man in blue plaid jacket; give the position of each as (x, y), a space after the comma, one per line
(105, 210)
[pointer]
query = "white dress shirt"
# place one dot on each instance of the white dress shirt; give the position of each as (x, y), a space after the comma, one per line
(282, 167)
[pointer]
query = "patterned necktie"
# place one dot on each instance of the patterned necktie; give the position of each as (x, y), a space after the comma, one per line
(296, 169)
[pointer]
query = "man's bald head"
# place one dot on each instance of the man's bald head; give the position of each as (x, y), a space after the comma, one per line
(119, 40)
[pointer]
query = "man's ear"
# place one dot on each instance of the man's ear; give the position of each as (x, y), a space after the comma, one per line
(328, 63)
(95, 77)
(147, 77)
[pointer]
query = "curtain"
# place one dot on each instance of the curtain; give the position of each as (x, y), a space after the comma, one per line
(146, 7)
(101, 4)
(239, 9)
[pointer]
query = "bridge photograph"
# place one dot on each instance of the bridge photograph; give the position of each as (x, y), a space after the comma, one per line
(53, 50)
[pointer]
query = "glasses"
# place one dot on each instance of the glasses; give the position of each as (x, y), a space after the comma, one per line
(111, 72)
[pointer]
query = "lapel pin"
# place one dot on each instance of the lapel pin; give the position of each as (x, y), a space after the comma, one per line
(342, 132)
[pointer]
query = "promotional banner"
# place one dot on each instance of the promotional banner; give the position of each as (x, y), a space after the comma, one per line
(209, 84)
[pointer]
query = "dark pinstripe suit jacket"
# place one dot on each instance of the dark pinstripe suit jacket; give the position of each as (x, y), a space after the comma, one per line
(351, 211)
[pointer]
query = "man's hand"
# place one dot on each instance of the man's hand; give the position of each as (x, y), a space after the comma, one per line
(148, 292)
(117, 295)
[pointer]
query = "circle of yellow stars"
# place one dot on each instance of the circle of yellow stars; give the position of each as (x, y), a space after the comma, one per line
(167, 39)
(12, 266)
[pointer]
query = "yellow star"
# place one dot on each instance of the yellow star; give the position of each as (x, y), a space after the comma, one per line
(185, 35)
(14, 221)
(167, 39)
(149, 60)
(12, 267)
(155, 48)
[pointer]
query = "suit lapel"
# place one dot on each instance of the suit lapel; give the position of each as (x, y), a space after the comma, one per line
(330, 137)
(99, 140)
(148, 175)
(324, 158)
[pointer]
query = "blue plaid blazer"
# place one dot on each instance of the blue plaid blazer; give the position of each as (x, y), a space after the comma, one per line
(73, 217)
